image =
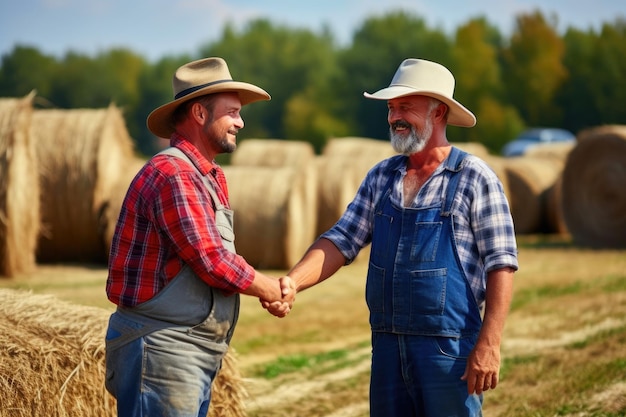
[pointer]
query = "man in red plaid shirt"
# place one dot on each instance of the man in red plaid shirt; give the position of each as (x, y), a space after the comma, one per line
(173, 271)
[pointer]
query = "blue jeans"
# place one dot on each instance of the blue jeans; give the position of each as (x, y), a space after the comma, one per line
(159, 375)
(420, 376)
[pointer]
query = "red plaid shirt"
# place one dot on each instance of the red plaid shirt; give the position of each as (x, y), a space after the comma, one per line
(167, 220)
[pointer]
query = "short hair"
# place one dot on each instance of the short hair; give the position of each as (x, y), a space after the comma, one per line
(433, 103)
(181, 112)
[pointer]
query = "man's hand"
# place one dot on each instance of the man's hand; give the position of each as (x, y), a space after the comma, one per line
(280, 308)
(482, 370)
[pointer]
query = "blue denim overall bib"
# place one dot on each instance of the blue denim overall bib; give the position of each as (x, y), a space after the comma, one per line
(423, 314)
(163, 355)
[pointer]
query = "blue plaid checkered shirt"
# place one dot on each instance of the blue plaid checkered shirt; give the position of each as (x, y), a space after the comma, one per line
(483, 225)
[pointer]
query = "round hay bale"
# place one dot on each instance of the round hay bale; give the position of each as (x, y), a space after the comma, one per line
(82, 153)
(335, 190)
(555, 218)
(52, 361)
(529, 180)
(114, 205)
(272, 219)
(272, 153)
(342, 167)
(594, 191)
(354, 147)
(474, 148)
(19, 188)
(276, 153)
(556, 150)
(52, 357)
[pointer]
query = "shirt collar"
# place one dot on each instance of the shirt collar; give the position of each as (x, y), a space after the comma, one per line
(204, 165)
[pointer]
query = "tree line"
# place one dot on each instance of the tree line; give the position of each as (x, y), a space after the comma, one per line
(534, 77)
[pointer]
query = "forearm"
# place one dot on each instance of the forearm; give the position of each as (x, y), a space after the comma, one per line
(320, 261)
(264, 287)
(497, 303)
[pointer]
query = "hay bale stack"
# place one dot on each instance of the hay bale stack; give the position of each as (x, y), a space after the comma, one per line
(272, 218)
(52, 361)
(272, 153)
(594, 190)
(335, 190)
(342, 166)
(555, 215)
(82, 154)
(354, 147)
(529, 181)
(557, 150)
(299, 155)
(19, 188)
(474, 148)
(113, 206)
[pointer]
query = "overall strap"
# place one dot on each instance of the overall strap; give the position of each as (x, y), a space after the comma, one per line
(387, 189)
(454, 164)
(173, 151)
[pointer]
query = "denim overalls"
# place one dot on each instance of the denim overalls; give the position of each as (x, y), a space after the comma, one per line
(162, 355)
(423, 314)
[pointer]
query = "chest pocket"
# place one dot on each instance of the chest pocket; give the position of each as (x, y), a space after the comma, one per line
(425, 241)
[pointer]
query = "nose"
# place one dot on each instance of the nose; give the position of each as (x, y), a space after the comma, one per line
(239, 124)
(393, 116)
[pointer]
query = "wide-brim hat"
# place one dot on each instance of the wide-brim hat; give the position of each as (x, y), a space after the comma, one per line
(426, 78)
(199, 78)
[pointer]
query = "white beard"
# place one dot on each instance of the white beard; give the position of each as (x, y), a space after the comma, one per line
(414, 142)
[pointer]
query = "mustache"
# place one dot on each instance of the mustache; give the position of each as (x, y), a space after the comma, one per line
(400, 123)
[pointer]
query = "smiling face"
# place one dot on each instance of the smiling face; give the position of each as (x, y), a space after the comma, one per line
(221, 127)
(410, 122)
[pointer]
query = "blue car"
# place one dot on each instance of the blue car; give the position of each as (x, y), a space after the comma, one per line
(536, 137)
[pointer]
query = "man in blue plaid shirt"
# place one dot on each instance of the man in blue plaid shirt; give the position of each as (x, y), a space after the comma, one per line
(442, 259)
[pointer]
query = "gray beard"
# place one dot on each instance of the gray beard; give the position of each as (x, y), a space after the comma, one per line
(414, 142)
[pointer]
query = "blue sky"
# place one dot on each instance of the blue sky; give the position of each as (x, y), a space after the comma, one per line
(154, 28)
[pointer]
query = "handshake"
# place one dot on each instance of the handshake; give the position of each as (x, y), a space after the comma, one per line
(282, 307)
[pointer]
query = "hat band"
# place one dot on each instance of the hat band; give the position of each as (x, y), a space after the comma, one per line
(198, 87)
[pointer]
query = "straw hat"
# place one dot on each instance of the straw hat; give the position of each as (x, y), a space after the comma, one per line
(195, 79)
(426, 78)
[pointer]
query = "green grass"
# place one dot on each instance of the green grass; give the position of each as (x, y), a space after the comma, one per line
(606, 284)
(315, 364)
(296, 363)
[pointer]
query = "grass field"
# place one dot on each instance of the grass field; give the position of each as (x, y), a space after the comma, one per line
(564, 351)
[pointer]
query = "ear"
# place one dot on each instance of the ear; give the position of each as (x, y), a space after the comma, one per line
(198, 113)
(441, 112)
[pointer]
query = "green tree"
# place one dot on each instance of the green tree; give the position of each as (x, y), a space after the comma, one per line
(378, 47)
(155, 84)
(533, 69)
(609, 78)
(479, 86)
(592, 94)
(26, 69)
(576, 96)
(84, 81)
(287, 63)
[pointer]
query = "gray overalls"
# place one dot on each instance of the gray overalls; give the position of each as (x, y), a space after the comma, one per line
(188, 313)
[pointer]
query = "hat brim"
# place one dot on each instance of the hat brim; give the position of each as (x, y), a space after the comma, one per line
(458, 115)
(159, 121)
